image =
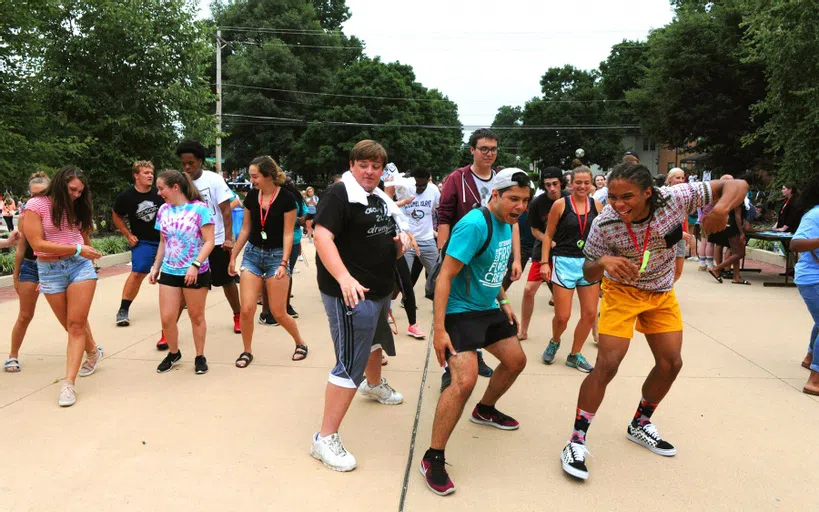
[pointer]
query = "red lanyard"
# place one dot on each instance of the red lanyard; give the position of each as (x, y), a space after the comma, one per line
(788, 200)
(585, 219)
(262, 215)
(634, 237)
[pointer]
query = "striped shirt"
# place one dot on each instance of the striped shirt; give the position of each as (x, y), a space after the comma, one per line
(65, 234)
(609, 235)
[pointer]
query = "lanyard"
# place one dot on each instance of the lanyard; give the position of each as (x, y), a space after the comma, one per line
(582, 222)
(788, 200)
(262, 215)
(644, 250)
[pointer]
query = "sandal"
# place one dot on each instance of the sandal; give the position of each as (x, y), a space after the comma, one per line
(718, 278)
(244, 360)
(301, 350)
(741, 282)
(12, 365)
(384, 360)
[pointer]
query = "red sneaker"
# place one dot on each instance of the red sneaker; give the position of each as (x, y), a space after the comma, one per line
(162, 344)
(237, 324)
(436, 476)
(495, 419)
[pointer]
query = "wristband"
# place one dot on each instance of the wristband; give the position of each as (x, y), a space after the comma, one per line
(503, 302)
(79, 250)
(196, 264)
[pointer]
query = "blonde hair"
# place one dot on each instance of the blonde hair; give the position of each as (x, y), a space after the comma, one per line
(139, 164)
(674, 172)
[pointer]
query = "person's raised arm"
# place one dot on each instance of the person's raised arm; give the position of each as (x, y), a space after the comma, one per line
(727, 195)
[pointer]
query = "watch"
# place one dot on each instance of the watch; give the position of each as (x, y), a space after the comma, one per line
(196, 263)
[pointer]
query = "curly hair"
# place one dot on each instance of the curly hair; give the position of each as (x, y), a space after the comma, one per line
(640, 176)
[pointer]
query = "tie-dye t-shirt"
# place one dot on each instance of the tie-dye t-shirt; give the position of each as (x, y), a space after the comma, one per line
(181, 225)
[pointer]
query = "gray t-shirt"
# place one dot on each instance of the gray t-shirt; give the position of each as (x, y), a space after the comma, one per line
(484, 187)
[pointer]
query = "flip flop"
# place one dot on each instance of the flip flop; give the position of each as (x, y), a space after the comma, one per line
(244, 360)
(810, 392)
(741, 282)
(12, 365)
(301, 350)
(718, 278)
(805, 365)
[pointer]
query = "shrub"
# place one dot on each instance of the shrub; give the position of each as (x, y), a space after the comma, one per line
(110, 244)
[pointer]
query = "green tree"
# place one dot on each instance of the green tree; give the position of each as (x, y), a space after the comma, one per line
(623, 70)
(359, 95)
(506, 125)
(274, 47)
(571, 98)
(783, 36)
(699, 88)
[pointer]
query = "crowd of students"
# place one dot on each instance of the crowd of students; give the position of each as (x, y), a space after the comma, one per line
(616, 241)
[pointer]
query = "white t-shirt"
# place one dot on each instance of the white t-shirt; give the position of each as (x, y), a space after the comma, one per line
(214, 192)
(419, 212)
(484, 187)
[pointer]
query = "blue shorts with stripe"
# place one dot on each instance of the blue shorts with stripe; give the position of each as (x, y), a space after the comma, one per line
(356, 333)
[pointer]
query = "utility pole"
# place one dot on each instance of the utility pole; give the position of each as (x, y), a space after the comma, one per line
(219, 102)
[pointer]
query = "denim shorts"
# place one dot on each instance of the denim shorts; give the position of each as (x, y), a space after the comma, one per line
(28, 271)
(55, 277)
(143, 255)
(262, 262)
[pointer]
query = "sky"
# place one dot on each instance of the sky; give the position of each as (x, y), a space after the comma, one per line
(484, 54)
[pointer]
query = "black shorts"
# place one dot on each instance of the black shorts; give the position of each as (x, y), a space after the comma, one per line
(219, 260)
(179, 281)
(309, 216)
(478, 329)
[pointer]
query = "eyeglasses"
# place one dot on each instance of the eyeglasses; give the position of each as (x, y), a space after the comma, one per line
(486, 150)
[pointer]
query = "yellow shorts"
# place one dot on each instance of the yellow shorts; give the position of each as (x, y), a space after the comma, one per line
(654, 312)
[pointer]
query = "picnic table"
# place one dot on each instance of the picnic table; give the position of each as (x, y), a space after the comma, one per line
(774, 236)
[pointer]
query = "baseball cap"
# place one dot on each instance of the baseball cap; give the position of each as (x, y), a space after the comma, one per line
(506, 178)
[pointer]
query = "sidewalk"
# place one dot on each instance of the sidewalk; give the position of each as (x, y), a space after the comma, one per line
(239, 439)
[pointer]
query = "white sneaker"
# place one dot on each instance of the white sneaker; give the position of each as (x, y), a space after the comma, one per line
(301, 257)
(332, 453)
(90, 365)
(68, 396)
(382, 392)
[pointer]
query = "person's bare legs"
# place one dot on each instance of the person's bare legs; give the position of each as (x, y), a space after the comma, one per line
(231, 291)
(277, 295)
(170, 299)
(512, 362)
(373, 370)
(610, 353)
(72, 307)
(336, 402)
(464, 369)
(563, 311)
(527, 307)
(196, 298)
(667, 351)
(132, 285)
(588, 296)
(251, 286)
(28, 294)
(733, 260)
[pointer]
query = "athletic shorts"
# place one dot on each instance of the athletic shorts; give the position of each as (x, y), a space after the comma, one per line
(681, 247)
(622, 306)
(143, 255)
(203, 281)
(534, 272)
(263, 262)
(55, 277)
(525, 256)
(478, 329)
(28, 271)
(356, 333)
(219, 260)
(567, 272)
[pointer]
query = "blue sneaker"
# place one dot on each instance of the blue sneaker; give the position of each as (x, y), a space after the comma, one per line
(551, 350)
(579, 362)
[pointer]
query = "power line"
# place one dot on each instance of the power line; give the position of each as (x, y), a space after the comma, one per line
(431, 48)
(393, 98)
(418, 34)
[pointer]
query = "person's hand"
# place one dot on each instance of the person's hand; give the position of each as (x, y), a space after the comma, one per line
(352, 291)
(546, 272)
(742, 238)
(192, 275)
(415, 245)
(132, 240)
(715, 221)
(688, 237)
(280, 272)
(402, 243)
(153, 275)
(620, 268)
(232, 265)
(227, 245)
(17, 285)
(510, 314)
(14, 236)
(90, 253)
(442, 343)
(517, 270)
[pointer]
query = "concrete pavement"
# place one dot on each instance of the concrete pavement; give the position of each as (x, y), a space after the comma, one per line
(238, 439)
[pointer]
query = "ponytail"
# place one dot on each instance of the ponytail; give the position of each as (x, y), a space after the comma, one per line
(173, 177)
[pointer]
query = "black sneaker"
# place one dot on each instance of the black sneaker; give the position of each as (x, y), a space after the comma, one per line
(483, 369)
(122, 318)
(434, 471)
(648, 436)
(446, 379)
(169, 362)
(200, 365)
(292, 312)
(573, 459)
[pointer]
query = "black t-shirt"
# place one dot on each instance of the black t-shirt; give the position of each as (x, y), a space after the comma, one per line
(567, 233)
(364, 238)
(140, 208)
(539, 210)
(274, 220)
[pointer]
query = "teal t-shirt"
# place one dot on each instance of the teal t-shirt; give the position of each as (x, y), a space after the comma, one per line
(301, 210)
(486, 271)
